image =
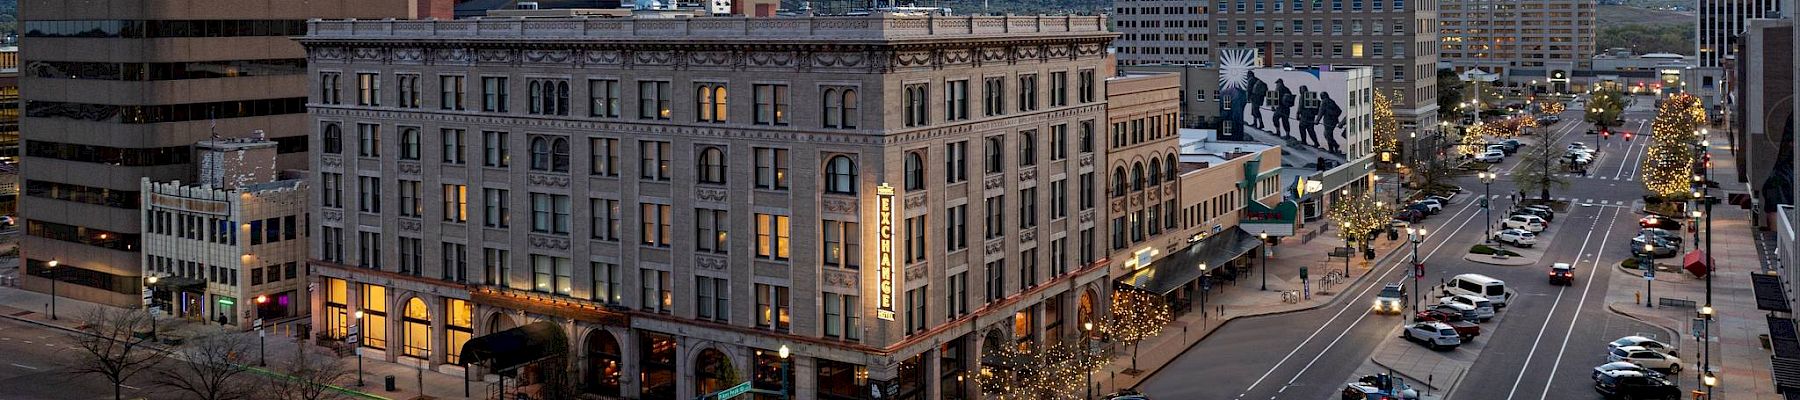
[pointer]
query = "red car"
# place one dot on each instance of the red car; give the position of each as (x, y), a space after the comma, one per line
(1467, 330)
(1660, 222)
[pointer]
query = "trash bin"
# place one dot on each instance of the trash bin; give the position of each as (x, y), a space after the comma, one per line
(390, 383)
(1368, 254)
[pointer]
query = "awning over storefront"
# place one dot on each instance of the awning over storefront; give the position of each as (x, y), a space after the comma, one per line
(511, 348)
(1169, 273)
(1695, 263)
(1785, 364)
(1769, 296)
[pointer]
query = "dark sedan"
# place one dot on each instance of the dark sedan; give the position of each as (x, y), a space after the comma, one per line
(1660, 222)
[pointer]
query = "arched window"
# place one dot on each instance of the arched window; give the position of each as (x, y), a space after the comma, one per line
(537, 97)
(334, 139)
(562, 98)
(1118, 182)
(703, 100)
(1155, 172)
(996, 154)
(915, 171)
(712, 165)
(850, 103)
(417, 328)
(540, 153)
(1169, 166)
(840, 175)
(604, 366)
(719, 104)
(1137, 176)
(834, 108)
(559, 155)
(712, 371)
(409, 143)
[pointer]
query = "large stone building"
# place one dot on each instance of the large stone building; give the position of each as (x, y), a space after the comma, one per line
(1398, 39)
(1721, 26)
(1542, 41)
(115, 92)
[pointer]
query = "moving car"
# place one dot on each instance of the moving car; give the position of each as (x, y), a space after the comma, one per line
(1484, 309)
(1516, 237)
(1658, 248)
(1635, 385)
(1562, 274)
(1660, 233)
(1658, 221)
(1645, 357)
(1491, 156)
(1643, 342)
(1531, 223)
(1392, 299)
(1436, 335)
(1478, 285)
(1466, 329)
(1602, 369)
(1379, 387)
(1126, 394)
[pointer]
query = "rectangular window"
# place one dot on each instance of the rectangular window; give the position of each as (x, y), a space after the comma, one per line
(606, 283)
(551, 274)
(843, 244)
(1087, 88)
(412, 256)
(603, 98)
(1028, 263)
(917, 104)
(1085, 253)
(956, 228)
(368, 250)
(332, 245)
(549, 213)
(1059, 201)
(456, 203)
(658, 224)
(495, 213)
(368, 89)
(956, 100)
(915, 239)
(653, 160)
(1087, 136)
(496, 267)
(606, 219)
(772, 236)
(333, 193)
(956, 162)
(604, 156)
(453, 146)
(1059, 142)
(915, 310)
(843, 317)
(450, 92)
(659, 291)
(996, 280)
(456, 262)
(653, 100)
(1027, 208)
(712, 298)
(993, 96)
(368, 140)
(1028, 92)
(368, 194)
(410, 204)
(772, 307)
(712, 230)
(1059, 89)
(1086, 189)
(996, 217)
(957, 296)
(493, 94)
(494, 150)
(1027, 148)
(771, 168)
(1058, 253)
(771, 104)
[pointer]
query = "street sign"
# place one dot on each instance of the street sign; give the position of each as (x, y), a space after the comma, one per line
(1699, 328)
(1303, 273)
(258, 324)
(351, 339)
(734, 391)
(1650, 272)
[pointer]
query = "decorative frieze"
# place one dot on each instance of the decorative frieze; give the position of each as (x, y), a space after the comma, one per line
(1028, 174)
(840, 279)
(1028, 235)
(541, 242)
(332, 214)
(994, 246)
(838, 205)
(547, 181)
(1086, 217)
(711, 262)
(917, 272)
(409, 224)
(409, 167)
(712, 194)
(995, 181)
(554, 56)
(915, 201)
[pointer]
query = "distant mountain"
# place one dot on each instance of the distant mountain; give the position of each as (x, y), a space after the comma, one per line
(965, 7)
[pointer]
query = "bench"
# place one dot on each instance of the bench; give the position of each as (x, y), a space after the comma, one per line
(1681, 303)
(1340, 252)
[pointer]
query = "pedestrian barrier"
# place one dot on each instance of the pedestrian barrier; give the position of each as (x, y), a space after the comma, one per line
(1290, 296)
(1679, 303)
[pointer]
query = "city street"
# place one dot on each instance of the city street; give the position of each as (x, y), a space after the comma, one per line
(37, 362)
(1542, 346)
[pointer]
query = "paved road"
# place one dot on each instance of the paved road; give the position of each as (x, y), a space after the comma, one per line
(1541, 348)
(35, 362)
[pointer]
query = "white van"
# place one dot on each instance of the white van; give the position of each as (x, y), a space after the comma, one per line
(1478, 285)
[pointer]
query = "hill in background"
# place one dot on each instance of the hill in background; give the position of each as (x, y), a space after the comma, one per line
(1644, 30)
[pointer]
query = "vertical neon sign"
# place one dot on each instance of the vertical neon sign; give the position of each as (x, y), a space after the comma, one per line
(884, 205)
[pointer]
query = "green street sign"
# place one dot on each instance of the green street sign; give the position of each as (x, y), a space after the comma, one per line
(1303, 273)
(734, 391)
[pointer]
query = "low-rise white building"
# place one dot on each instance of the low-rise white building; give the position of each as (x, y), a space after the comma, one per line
(230, 248)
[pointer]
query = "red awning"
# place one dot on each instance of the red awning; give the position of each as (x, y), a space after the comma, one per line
(1695, 262)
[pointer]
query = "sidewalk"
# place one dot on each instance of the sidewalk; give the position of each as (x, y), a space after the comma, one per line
(1245, 299)
(1737, 354)
(29, 307)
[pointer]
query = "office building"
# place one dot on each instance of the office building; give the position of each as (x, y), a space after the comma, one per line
(1534, 42)
(1721, 26)
(117, 92)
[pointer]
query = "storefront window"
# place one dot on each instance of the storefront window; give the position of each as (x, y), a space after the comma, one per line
(603, 364)
(417, 328)
(768, 372)
(374, 318)
(458, 327)
(337, 300)
(657, 359)
(952, 361)
(713, 372)
(912, 378)
(842, 381)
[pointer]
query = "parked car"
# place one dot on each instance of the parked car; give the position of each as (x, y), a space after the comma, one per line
(1126, 394)
(1441, 199)
(1484, 310)
(1643, 342)
(1645, 357)
(1466, 329)
(1467, 312)
(1514, 144)
(1516, 237)
(1491, 156)
(1498, 147)
(1623, 366)
(1546, 209)
(1431, 206)
(1540, 213)
(1658, 221)
(1436, 335)
(1660, 233)
(1392, 299)
(1562, 274)
(1635, 385)
(1423, 209)
(1658, 248)
(1409, 215)
(1531, 223)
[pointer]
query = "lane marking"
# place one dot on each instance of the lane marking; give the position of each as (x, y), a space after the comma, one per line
(25, 366)
(1595, 266)
(1549, 315)
(1340, 313)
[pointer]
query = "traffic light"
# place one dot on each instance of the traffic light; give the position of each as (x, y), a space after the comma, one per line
(1605, 135)
(1627, 136)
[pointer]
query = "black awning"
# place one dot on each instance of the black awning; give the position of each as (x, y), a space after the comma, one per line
(1165, 275)
(1769, 293)
(511, 348)
(1785, 365)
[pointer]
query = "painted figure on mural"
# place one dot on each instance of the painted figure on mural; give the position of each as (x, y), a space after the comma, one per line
(1309, 117)
(1284, 108)
(1259, 93)
(1332, 116)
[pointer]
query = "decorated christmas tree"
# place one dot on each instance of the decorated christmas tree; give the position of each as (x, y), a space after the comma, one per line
(1668, 165)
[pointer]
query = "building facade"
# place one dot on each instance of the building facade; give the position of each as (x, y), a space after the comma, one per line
(682, 197)
(1541, 41)
(1721, 27)
(114, 93)
(229, 249)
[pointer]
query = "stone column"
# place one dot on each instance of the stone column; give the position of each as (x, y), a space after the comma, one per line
(806, 378)
(395, 313)
(440, 340)
(631, 379)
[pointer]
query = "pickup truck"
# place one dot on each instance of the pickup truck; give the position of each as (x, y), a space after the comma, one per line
(1465, 329)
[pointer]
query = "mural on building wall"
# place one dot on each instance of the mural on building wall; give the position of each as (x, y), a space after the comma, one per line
(1302, 107)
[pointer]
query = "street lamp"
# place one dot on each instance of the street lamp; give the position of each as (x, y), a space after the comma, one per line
(358, 347)
(1415, 235)
(53, 278)
(785, 365)
(151, 300)
(1487, 182)
(1706, 375)
(1265, 259)
(1649, 266)
(1087, 350)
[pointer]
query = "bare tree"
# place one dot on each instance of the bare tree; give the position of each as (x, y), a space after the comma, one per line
(209, 368)
(112, 348)
(310, 376)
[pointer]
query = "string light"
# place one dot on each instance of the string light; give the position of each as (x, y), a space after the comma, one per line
(1357, 215)
(1670, 158)
(1387, 128)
